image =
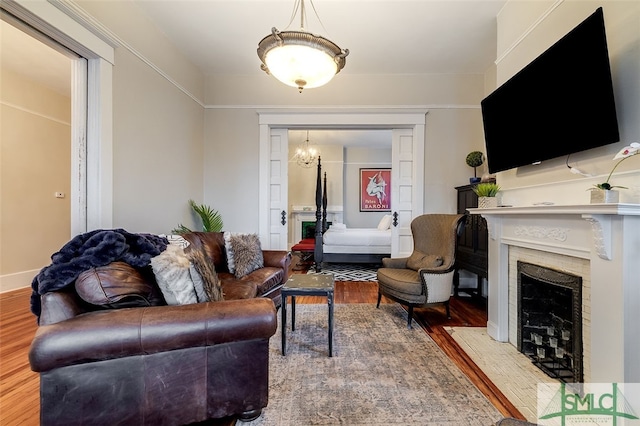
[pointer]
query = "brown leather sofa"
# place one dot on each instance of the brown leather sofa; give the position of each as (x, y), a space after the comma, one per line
(157, 365)
(263, 282)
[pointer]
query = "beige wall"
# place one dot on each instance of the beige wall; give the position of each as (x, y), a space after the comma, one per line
(302, 181)
(157, 149)
(158, 124)
(526, 29)
(454, 128)
(35, 163)
(355, 159)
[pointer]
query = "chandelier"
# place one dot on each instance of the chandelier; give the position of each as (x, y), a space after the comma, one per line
(298, 58)
(306, 155)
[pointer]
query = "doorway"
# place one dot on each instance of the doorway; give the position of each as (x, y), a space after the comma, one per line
(343, 153)
(90, 193)
(408, 130)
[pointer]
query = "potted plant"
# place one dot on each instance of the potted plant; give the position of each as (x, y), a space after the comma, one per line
(488, 194)
(475, 159)
(604, 192)
(211, 219)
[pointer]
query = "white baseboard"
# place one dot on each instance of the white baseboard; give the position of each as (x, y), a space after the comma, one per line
(17, 280)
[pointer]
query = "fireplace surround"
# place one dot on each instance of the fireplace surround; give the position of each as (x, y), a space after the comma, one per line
(604, 237)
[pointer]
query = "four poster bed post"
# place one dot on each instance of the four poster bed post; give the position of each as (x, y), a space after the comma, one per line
(357, 245)
(317, 253)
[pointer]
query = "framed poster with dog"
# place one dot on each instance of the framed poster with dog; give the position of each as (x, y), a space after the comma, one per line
(375, 190)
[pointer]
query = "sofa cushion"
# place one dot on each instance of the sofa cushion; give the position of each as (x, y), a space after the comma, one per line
(117, 285)
(235, 289)
(244, 253)
(419, 260)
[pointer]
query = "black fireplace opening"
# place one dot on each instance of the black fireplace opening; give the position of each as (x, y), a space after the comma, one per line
(309, 228)
(550, 320)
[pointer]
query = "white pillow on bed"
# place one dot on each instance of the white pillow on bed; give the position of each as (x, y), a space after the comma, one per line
(340, 227)
(385, 222)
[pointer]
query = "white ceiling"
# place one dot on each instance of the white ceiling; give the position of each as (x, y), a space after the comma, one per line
(383, 36)
(221, 37)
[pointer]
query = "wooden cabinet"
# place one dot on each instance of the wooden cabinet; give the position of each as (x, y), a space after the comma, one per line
(472, 249)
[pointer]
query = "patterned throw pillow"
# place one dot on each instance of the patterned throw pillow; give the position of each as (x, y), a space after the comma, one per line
(206, 270)
(246, 252)
(231, 266)
(419, 260)
(173, 275)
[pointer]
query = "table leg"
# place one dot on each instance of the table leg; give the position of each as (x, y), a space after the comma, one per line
(283, 325)
(293, 313)
(330, 303)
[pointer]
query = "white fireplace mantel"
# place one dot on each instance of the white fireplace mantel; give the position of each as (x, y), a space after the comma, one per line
(608, 236)
(301, 214)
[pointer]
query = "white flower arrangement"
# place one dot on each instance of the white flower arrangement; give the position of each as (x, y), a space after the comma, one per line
(623, 154)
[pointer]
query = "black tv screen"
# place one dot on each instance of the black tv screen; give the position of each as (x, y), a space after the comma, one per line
(559, 104)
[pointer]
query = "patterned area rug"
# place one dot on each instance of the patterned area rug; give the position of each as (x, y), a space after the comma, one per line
(381, 373)
(348, 271)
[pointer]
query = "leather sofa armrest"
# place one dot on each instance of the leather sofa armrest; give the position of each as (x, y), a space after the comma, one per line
(395, 262)
(278, 259)
(119, 333)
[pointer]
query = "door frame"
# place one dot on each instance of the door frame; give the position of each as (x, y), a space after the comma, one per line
(92, 174)
(335, 119)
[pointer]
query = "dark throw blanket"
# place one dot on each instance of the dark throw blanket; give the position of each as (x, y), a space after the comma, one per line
(90, 250)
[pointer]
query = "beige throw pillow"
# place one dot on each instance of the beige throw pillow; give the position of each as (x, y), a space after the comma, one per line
(173, 275)
(419, 260)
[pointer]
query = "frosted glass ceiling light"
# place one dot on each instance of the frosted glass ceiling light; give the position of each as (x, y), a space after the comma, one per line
(298, 58)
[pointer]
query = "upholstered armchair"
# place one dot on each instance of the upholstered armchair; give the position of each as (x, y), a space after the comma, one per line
(425, 278)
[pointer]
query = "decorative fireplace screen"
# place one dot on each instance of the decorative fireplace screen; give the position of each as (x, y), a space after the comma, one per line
(550, 320)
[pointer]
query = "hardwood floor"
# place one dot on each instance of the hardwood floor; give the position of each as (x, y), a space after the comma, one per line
(19, 386)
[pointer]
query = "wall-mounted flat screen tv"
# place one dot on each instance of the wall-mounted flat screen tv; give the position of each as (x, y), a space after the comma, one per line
(559, 104)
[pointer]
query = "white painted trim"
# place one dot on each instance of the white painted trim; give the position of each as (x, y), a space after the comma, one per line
(351, 108)
(36, 113)
(96, 27)
(533, 26)
(78, 146)
(52, 22)
(100, 146)
(17, 280)
(343, 118)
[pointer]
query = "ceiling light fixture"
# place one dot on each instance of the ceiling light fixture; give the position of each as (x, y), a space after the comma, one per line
(298, 58)
(306, 155)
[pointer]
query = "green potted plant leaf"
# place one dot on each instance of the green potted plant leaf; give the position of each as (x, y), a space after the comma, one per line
(211, 219)
(488, 194)
(474, 159)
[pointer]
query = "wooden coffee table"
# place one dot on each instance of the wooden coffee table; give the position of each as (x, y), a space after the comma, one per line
(306, 285)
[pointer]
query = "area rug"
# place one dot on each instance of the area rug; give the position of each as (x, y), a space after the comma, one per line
(381, 373)
(349, 271)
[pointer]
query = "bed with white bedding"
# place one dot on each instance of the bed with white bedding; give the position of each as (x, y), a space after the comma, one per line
(357, 240)
(340, 244)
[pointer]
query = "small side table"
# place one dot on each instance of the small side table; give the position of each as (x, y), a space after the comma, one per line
(306, 285)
